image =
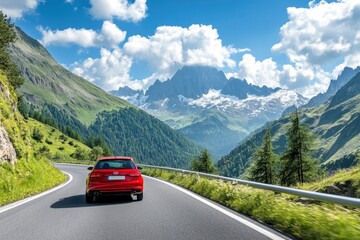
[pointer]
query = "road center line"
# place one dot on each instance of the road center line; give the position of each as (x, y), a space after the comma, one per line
(26, 200)
(227, 213)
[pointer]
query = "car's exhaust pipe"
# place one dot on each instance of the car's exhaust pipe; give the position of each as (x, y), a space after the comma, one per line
(96, 194)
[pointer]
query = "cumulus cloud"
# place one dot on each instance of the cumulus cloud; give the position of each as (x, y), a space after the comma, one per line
(318, 36)
(307, 80)
(133, 11)
(16, 8)
(109, 71)
(259, 72)
(172, 47)
(109, 36)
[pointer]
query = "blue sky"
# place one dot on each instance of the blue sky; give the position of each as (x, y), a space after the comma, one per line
(293, 44)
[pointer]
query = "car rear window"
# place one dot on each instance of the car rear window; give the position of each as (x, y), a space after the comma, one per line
(115, 164)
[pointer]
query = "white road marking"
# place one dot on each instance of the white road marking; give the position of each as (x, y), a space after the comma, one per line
(26, 200)
(224, 211)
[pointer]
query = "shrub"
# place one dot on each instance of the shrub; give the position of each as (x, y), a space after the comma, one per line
(80, 154)
(44, 149)
(37, 135)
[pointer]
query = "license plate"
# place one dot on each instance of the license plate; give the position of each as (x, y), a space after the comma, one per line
(116, 178)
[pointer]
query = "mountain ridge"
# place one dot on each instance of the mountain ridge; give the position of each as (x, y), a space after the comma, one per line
(48, 82)
(216, 106)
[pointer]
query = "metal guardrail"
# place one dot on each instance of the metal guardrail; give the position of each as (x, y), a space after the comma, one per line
(346, 201)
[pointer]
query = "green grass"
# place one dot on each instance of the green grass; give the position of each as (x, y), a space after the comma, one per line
(352, 174)
(303, 221)
(27, 178)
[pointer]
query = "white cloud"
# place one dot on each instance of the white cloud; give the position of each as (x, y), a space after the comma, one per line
(109, 36)
(172, 47)
(120, 9)
(307, 80)
(259, 72)
(16, 8)
(109, 71)
(314, 37)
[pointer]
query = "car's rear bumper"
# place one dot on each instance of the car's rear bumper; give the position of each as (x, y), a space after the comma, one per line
(115, 189)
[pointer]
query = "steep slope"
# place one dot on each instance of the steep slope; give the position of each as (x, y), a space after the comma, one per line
(47, 82)
(209, 109)
(23, 172)
(74, 102)
(336, 123)
(335, 85)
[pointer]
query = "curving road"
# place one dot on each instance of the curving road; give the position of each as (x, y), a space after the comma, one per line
(165, 213)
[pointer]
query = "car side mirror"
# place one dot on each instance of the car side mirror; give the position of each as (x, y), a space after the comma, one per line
(90, 168)
(140, 168)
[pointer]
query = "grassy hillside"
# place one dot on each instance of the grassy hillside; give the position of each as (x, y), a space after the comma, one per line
(48, 82)
(336, 123)
(29, 174)
(54, 144)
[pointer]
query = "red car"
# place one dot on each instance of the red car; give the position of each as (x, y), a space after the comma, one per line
(114, 176)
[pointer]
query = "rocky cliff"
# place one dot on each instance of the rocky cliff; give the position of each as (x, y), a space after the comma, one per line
(7, 151)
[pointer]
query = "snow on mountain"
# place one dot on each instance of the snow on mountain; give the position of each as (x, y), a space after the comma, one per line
(253, 105)
(210, 109)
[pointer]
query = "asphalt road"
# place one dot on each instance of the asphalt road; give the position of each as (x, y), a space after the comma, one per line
(165, 213)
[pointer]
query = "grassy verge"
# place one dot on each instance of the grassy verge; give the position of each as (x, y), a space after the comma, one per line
(304, 221)
(352, 175)
(27, 179)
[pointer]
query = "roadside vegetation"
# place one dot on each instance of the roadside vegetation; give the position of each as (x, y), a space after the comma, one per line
(31, 173)
(284, 212)
(27, 178)
(350, 177)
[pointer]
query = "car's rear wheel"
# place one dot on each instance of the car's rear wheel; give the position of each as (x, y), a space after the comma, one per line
(89, 198)
(139, 197)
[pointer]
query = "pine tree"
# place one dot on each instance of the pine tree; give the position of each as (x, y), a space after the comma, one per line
(7, 36)
(297, 164)
(262, 168)
(203, 163)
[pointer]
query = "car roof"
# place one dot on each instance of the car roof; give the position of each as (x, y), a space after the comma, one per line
(116, 158)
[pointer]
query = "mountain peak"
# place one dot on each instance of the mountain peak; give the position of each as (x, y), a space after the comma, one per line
(335, 85)
(241, 89)
(189, 81)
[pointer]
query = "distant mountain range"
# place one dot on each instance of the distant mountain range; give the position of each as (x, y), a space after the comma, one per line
(215, 112)
(335, 85)
(75, 102)
(336, 123)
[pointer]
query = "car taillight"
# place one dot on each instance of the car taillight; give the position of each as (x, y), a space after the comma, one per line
(134, 174)
(96, 175)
